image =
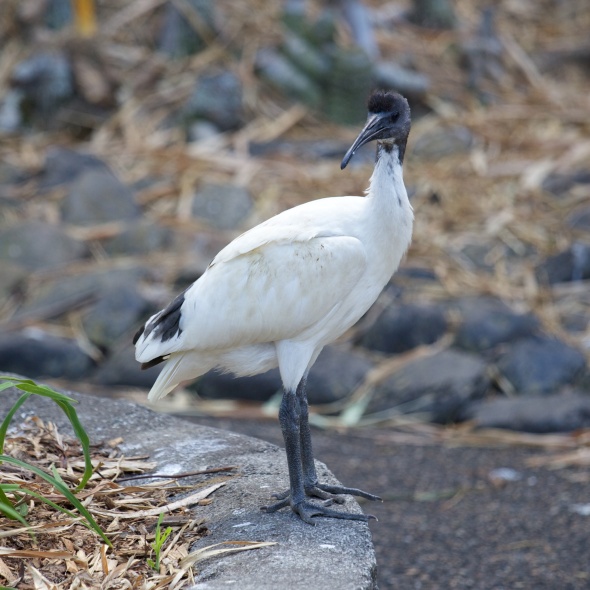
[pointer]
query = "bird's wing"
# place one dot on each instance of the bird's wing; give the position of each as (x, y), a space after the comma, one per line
(267, 285)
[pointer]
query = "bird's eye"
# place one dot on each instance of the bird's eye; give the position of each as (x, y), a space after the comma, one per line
(393, 117)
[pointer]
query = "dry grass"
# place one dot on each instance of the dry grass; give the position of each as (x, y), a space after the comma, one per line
(60, 553)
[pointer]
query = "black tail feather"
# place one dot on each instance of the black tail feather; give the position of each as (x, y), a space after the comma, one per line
(154, 362)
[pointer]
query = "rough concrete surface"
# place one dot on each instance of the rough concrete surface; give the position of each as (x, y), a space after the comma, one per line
(333, 554)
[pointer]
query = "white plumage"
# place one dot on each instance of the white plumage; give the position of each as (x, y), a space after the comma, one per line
(302, 278)
(281, 291)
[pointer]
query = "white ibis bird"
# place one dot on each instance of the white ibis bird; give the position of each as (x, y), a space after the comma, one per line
(280, 292)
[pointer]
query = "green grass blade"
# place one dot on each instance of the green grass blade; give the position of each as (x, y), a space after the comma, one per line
(59, 486)
(7, 384)
(67, 512)
(44, 391)
(65, 403)
(84, 439)
(10, 512)
(6, 422)
(3, 497)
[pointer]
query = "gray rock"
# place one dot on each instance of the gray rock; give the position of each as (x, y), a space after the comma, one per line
(413, 273)
(121, 368)
(63, 165)
(117, 312)
(332, 554)
(482, 56)
(435, 14)
(579, 219)
(35, 245)
(58, 13)
(139, 238)
(575, 320)
(37, 354)
(560, 184)
(201, 248)
(486, 322)
(110, 299)
(540, 365)
(217, 98)
(305, 56)
(12, 279)
(571, 265)
(335, 375)
(439, 386)
(445, 141)
(476, 255)
(258, 388)
(407, 82)
(402, 327)
(201, 131)
(279, 72)
(178, 38)
(9, 174)
(223, 206)
(481, 254)
(359, 18)
(534, 413)
(11, 118)
(98, 196)
(46, 81)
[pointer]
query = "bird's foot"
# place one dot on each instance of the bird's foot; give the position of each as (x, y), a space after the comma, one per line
(306, 511)
(330, 494)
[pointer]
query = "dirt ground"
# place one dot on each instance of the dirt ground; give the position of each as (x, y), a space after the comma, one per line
(450, 519)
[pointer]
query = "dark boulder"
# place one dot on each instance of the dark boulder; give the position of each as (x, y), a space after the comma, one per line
(540, 365)
(437, 387)
(36, 354)
(402, 327)
(534, 413)
(485, 323)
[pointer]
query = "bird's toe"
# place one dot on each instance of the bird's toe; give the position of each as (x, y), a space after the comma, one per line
(307, 511)
(334, 490)
(277, 506)
(280, 495)
(317, 492)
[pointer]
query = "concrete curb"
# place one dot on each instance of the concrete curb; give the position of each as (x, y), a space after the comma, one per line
(333, 554)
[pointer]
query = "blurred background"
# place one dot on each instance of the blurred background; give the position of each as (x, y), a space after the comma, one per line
(139, 137)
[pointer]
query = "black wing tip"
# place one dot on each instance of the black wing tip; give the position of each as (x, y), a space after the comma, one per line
(138, 334)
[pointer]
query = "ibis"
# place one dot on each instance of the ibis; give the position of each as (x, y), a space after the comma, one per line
(281, 291)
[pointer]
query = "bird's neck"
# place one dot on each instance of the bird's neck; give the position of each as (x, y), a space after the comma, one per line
(389, 214)
(387, 187)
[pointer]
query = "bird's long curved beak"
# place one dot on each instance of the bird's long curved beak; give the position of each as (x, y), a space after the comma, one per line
(372, 130)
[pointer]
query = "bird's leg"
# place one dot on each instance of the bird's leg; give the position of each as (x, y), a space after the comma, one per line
(290, 419)
(310, 479)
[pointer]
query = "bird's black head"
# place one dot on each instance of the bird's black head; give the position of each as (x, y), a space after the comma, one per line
(388, 121)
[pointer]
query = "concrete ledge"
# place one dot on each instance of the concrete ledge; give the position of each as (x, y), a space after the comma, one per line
(333, 554)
